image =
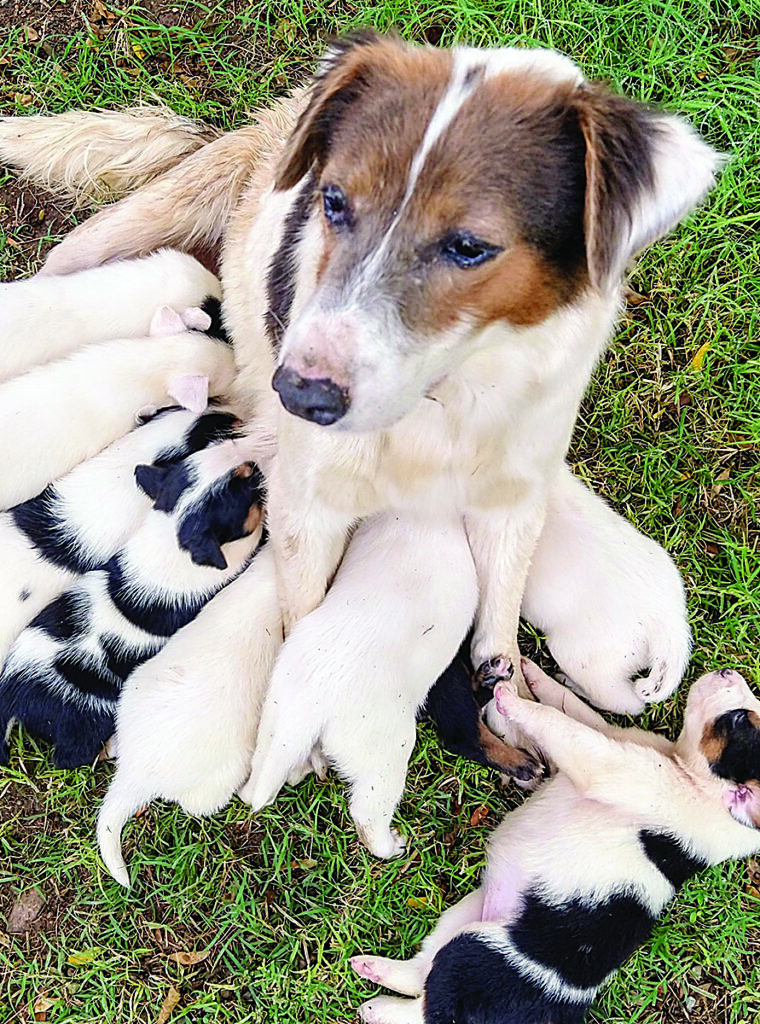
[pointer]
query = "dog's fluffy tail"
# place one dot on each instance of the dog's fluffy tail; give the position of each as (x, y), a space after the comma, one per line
(120, 803)
(92, 157)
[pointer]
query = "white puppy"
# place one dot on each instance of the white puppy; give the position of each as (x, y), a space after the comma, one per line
(577, 876)
(78, 523)
(363, 662)
(45, 317)
(58, 415)
(610, 600)
(186, 721)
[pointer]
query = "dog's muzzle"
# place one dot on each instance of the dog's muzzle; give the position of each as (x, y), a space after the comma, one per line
(319, 399)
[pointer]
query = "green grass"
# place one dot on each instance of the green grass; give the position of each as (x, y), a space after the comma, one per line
(282, 901)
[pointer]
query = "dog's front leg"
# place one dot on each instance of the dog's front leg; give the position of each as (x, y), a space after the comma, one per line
(308, 538)
(502, 544)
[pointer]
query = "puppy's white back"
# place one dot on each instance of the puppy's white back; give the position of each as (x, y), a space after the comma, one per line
(45, 317)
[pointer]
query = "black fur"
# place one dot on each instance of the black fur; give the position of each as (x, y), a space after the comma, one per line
(583, 942)
(209, 428)
(740, 758)
(213, 308)
(42, 520)
(670, 856)
(65, 618)
(472, 983)
(281, 283)
(159, 616)
(164, 484)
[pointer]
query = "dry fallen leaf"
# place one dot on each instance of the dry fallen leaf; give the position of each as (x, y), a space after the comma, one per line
(699, 358)
(417, 902)
(168, 1005)
(83, 956)
(24, 912)
(479, 814)
(188, 959)
(41, 1006)
(633, 298)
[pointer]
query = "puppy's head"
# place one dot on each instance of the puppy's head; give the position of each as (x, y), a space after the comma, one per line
(450, 199)
(722, 731)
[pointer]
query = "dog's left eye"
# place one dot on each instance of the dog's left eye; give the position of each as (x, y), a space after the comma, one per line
(465, 250)
(336, 207)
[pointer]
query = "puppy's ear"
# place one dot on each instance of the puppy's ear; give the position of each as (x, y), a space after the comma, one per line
(743, 801)
(644, 172)
(204, 549)
(340, 78)
(164, 484)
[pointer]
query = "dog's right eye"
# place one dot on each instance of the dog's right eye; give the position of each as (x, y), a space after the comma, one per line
(337, 210)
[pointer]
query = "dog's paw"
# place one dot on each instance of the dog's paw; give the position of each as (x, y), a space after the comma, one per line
(369, 967)
(384, 844)
(507, 700)
(657, 686)
(494, 670)
(390, 1010)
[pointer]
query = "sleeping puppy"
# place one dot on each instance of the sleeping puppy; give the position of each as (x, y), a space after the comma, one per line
(186, 720)
(78, 523)
(401, 603)
(44, 318)
(610, 601)
(64, 673)
(578, 875)
(58, 415)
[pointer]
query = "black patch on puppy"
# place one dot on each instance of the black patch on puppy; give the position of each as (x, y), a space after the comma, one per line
(737, 736)
(160, 616)
(208, 428)
(281, 279)
(163, 484)
(470, 982)
(212, 307)
(670, 857)
(583, 942)
(42, 521)
(88, 677)
(121, 660)
(65, 618)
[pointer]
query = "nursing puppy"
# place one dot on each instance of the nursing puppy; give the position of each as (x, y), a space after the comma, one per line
(78, 523)
(432, 309)
(44, 318)
(610, 601)
(186, 720)
(63, 674)
(58, 415)
(578, 875)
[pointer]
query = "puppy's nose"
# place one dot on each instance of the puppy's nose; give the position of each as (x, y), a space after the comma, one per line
(318, 399)
(726, 673)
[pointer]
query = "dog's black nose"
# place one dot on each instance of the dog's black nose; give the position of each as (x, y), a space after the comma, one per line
(726, 672)
(319, 399)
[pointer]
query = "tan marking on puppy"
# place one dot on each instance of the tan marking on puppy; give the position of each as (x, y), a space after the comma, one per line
(711, 745)
(754, 718)
(508, 759)
(253, 519)
(244, 470)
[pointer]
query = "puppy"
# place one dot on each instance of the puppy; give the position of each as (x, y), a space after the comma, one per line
(578, 875)
(64, 673)
(610, 601)
(401, 602)
(78, 523)
(432, 310)
(58, 415)
(186, 720)
(44, 318)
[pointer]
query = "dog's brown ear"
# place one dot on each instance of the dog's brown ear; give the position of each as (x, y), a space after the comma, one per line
(340, 78)
(644, 172)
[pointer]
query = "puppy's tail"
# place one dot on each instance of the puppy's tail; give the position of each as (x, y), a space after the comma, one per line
(92, 157)
(120, 803)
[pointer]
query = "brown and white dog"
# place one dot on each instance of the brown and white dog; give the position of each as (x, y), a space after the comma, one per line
(426, 250)
(577, 876)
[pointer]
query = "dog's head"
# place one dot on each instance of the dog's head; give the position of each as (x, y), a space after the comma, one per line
(450, 196)
(722, 731)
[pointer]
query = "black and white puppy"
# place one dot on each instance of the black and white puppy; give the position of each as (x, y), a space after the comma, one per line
(64, 673)
(577, 876)
(46, 317)
(78, 523)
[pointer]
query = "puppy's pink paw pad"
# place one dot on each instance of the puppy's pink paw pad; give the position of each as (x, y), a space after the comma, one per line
(367, 967)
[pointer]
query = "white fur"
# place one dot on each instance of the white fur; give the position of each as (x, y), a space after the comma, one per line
(58, 415)
(100, 507)
(610, 600)
(186, 720)
(578, 837)
(45, 317)
(354, 672)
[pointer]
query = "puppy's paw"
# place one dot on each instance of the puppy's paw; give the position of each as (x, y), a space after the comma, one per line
(370, 967)
(493, 671)
(507, 701)
(385, 844)
(391, 1010)
(658, 685)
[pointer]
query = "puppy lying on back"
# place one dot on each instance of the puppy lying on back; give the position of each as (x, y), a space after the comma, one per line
(186, 720)
(43, 318)
(58, 415)
(578, 875)
(78, 523)
(64, 673)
